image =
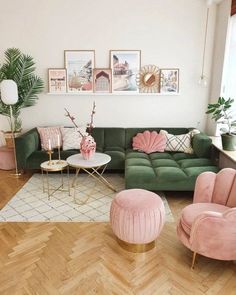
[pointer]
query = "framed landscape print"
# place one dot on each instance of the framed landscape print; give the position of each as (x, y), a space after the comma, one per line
(125, 65)
(57, 80)
(102, 80)
(169, 81)
(79, 65)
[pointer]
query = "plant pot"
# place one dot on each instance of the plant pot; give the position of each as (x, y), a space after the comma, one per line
(9, 139)
(228, 142)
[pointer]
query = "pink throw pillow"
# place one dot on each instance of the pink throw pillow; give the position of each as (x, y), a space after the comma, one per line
(51, 133)
(149, 142)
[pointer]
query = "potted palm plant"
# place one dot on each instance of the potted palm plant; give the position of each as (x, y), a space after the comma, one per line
(20, 68)
(222, 113)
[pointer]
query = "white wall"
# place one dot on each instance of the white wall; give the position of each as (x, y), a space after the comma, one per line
(170, 33)
(221, 32)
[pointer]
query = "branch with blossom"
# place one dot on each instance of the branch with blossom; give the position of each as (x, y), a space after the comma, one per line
(90, 125)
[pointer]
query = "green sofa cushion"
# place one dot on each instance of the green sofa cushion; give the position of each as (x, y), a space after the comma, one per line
(170, 174)
(98, 135)
(194, 162)
(195, 171)
(139, 155)
(117, 159)
(182, 156)
(202, 145)
(165, 155)
(164, 163)
(138, 162)
(141, 176)
(114, 137)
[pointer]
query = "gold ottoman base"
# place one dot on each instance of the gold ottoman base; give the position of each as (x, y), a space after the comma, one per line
(136, 248)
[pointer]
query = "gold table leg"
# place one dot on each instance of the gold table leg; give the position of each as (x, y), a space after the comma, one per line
(59, 188)
(96, 175)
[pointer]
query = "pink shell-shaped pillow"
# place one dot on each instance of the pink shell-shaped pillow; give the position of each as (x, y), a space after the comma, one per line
(149, 142)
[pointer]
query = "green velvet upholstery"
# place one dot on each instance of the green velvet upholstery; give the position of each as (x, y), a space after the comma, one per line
(156, 171)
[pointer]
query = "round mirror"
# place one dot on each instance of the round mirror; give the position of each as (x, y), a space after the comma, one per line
(148, 79)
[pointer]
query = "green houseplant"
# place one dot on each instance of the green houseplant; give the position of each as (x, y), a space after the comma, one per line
(20, 68)
(222, 113)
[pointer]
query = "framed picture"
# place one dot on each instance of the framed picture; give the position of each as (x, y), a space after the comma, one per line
(79, 65)
(169, 81)
(102, 80)
(56, 80)
(125, 65)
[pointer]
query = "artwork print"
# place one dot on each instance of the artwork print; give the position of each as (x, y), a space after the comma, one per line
(102, 80)
(79, 65)
(56, 80)
(169, 81)
(125, 65)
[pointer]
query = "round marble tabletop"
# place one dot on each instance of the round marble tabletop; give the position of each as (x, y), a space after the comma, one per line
(98, 159)
(55, 165)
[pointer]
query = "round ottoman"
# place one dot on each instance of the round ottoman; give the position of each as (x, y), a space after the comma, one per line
(137, 217)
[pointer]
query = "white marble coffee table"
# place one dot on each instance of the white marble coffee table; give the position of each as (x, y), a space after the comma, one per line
(94, 167)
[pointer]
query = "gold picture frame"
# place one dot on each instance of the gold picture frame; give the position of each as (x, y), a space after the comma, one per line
(79, 65)
(125, 65)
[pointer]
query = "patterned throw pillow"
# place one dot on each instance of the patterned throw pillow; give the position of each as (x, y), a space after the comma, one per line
(71, 138)
(178, 143)
(49, 133)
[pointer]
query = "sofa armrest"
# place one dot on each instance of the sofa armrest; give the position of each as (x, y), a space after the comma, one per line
(202, 145)
(213, 235)
(26, 144)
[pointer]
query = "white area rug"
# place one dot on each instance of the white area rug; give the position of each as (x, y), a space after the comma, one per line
(31, 204)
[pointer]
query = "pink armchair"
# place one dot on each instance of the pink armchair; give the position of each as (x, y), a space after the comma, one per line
(208, 226)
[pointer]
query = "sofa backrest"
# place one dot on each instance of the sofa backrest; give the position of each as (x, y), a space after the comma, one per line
(109, 137)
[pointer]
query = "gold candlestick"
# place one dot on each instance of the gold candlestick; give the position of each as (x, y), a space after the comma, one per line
(50, 152)
(59, 155)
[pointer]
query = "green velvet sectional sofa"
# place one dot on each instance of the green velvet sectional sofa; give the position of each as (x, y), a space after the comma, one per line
(157, 171)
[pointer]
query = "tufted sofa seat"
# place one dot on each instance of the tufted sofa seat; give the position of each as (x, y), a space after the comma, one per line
(156, 171)
(164, 171)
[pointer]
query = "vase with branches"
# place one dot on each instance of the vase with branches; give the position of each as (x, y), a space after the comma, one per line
(20, 68)
(87, 144)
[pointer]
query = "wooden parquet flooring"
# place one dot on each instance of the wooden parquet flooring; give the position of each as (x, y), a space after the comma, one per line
(84, 258)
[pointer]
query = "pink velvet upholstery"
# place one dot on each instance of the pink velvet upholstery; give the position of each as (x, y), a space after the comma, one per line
(7, 161)
(137, 216)
(208, 226)
(149, 142)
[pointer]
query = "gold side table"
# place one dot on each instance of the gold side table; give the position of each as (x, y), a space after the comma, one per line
(54, 166)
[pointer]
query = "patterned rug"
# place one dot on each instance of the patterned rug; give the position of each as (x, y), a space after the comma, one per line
(31, 204)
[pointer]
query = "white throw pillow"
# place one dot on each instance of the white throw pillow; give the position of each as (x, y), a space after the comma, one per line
(71, 138)
(178, 143)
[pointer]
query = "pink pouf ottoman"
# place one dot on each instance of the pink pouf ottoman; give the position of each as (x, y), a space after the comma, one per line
(137, 217)
(7, 161)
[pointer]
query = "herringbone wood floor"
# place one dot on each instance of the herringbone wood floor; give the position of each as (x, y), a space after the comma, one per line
(84, 258)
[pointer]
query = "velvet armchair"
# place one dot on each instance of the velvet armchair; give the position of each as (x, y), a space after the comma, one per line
(208, 226)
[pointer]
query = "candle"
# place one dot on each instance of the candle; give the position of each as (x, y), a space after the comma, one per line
(58, 140)
(49, 145)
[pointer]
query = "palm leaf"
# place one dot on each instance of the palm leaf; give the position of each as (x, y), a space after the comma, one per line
(20, 68)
